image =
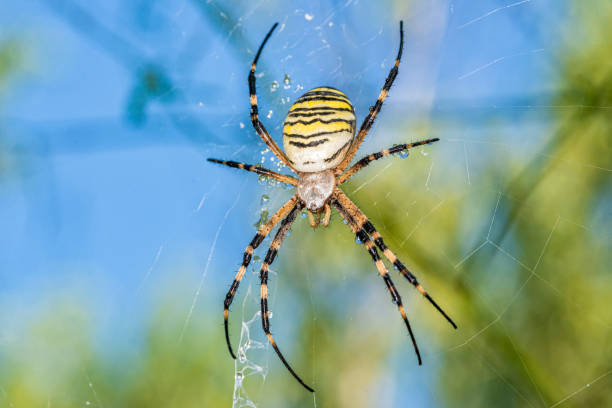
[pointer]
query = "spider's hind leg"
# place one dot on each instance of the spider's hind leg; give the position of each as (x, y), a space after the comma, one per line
(366, 225)
(263, 276)
(263, 231)
(363, 237)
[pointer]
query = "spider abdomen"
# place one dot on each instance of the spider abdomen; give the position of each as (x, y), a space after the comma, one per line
(319, 129)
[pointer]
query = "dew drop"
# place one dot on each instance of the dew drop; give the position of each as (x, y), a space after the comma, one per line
(274, 86)
(308, 16)
(404, 153)
(286, 82)
(345, 222)
(241, 125)
(269, 115)
(264, 198)
(424, 153)
(358, 241)
(304, 215)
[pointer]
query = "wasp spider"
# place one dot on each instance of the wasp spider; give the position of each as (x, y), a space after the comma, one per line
(319, 142)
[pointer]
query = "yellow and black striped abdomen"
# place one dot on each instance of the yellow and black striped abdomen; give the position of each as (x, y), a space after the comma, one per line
(319, 129)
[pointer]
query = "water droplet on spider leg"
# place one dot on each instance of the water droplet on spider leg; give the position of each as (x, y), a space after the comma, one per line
(404, 154)
(304, 215)
(345, 222)
(358, 241)
(286, 82)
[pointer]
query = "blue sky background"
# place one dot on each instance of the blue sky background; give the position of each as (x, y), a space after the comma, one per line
(105, 196)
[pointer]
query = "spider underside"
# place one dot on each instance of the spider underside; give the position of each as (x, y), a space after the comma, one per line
(320, 142)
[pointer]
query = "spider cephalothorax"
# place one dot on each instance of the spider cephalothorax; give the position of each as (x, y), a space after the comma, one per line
(320, 142)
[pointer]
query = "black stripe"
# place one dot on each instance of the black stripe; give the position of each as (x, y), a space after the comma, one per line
(325, 112)
(333, 156)
(379, 243)
(311, 144)
(270, 256)
(323, 108)
(324, 93)
(368, 227)
(374, 254)
(257, 240)
(310, 136)
(395, 296)
(246, 259)
(322, 98)
(308, 122)
(362, 236)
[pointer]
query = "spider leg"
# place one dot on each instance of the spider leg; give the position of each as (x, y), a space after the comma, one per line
(369, 120)
(259, 170)
(363, 237)
(327, 215)
(375, 156)
(263, 275)
(363, 223)
(263, 231)
(259, 127)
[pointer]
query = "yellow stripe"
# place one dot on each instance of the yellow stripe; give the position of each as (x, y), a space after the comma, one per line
(316, 127)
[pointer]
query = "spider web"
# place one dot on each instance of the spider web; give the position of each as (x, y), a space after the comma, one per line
(505, 221)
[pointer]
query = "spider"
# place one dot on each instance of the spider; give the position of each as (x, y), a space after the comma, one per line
(320, 142)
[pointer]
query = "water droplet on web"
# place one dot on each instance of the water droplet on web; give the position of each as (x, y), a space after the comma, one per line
(256, 258)
(286, 82)
(308, 16)
(87, 402)
(424, 153)
(269, 115)
(274, 86)
(331, 24)
(404, 153)
(264, 198)
(241, 125)
(269, 314)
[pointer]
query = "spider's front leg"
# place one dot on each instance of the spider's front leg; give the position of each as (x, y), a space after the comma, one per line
(315, 219)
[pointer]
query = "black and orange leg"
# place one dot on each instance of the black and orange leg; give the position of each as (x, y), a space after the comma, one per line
(263, 231)
(375, 156)
(259, 170)
(363, 237)
(259, 127)
(374, 110)
(263, 275)
(366, 225)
